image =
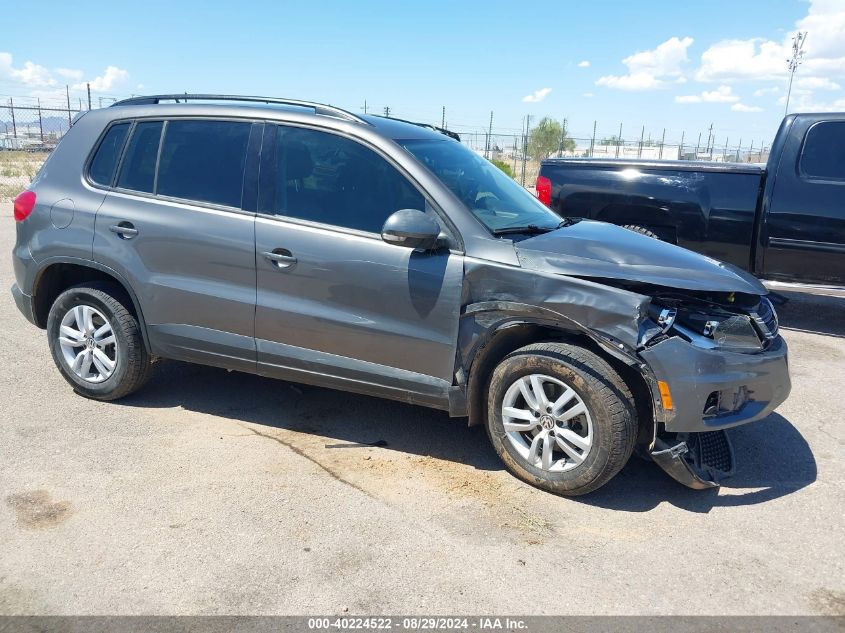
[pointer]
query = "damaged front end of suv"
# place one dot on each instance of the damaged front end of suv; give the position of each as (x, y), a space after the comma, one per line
(702, 335)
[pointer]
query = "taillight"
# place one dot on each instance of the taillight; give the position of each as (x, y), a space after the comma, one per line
(544, 190)
(24, 204)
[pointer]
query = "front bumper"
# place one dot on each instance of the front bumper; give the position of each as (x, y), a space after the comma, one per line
(24, 303)
(747, 387)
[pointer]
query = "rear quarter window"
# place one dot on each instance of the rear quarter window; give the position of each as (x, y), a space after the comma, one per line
(105, 160)
(139, 164)
(823, 155)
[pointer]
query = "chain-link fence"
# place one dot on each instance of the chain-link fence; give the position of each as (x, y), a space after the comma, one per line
(514, 151)
(30, 128)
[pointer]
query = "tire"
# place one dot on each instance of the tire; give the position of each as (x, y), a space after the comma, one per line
(609, 423)
(641, 230)
(98, 304)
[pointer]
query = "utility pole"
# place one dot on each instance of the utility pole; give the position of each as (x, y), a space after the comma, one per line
(681, 150)
(709, 146)
(40, 124)
(562, 138)
(489, 134)
(794, 62)
(14, 124)
(738, 148)
(593, 140)
(618, 140)
(698, 146)
(89, 95)
(725, 153)
(365, 106)
(642, 137)
(662, 141)
(387, 111)
(443, 118)
(67, 94)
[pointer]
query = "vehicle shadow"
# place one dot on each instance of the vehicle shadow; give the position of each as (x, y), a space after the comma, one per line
(772, 456)
(350, 420)
(809, 313)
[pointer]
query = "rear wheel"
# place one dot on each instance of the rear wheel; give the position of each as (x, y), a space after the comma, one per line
(560, 418)
(96, 342)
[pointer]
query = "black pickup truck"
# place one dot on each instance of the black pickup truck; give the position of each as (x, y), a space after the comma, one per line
(784, 222)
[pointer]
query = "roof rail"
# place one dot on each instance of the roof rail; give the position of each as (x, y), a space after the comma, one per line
(319, 108)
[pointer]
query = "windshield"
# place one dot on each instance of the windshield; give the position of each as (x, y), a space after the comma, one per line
(491, 195)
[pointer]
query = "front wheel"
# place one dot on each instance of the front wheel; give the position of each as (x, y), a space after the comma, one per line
(560, 418)
(96, 342)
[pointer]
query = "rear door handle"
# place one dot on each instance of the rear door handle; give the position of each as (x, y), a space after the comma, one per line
(280, 257)
(125, 230)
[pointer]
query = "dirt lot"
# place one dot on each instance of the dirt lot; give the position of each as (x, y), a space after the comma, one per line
(216, 492)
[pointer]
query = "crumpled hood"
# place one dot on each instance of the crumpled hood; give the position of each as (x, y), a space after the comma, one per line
(598, 250)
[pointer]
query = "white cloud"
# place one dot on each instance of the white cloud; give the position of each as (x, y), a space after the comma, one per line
(816, 83)
(537, 96)
(30, 74)
(722, 94)
(588, 95)
(105, 82)
(41, 82)
(762, 92)
(652, 69)
(763, 59)
(70, 73)
(741, 107)
(584, 64)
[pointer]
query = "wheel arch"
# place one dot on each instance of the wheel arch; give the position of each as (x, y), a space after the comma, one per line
(498, 328)
(56, 275)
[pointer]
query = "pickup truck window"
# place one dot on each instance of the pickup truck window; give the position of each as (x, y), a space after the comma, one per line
(823, 157)
(492, 196)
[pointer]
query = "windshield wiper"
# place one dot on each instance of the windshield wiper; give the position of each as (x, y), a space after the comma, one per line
(530, 229)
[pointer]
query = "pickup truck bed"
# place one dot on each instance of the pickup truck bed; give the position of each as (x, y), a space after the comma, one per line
(783, 222)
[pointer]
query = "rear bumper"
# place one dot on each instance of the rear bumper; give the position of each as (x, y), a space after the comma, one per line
(24, 303)
(748, 386)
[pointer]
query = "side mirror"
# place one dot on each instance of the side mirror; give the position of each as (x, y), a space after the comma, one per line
(411, 228)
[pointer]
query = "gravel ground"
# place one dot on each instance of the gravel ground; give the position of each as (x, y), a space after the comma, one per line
(212, 492)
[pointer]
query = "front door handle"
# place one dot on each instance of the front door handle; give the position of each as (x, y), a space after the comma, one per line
(280, 257)
(125, 230)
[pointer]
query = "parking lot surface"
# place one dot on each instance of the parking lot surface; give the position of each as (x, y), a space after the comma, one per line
(212, 492)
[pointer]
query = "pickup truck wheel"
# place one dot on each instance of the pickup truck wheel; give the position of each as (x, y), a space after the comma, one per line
(560, 418)
(641, 230)
(96, 342)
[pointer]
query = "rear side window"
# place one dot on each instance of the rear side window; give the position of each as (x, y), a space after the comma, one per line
(823, 157)
(204, 161)
(105, 160)
(139, 165)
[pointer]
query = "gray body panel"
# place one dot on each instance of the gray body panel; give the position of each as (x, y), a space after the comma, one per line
(354, 296)
(353, 312)
(193, 269)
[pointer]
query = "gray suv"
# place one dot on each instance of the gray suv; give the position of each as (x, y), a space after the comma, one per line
(300, 241)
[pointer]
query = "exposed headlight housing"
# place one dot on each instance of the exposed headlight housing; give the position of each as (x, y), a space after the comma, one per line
(717, 327)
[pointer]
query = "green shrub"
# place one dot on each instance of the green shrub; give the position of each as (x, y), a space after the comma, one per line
(503, 166)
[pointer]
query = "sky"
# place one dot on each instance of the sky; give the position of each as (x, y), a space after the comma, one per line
(678, 65)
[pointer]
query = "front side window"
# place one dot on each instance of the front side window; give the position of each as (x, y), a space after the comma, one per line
(108, 153)
(492, 196)
(138, 170)
(204, 161)
(330, 179)
(823, 157)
